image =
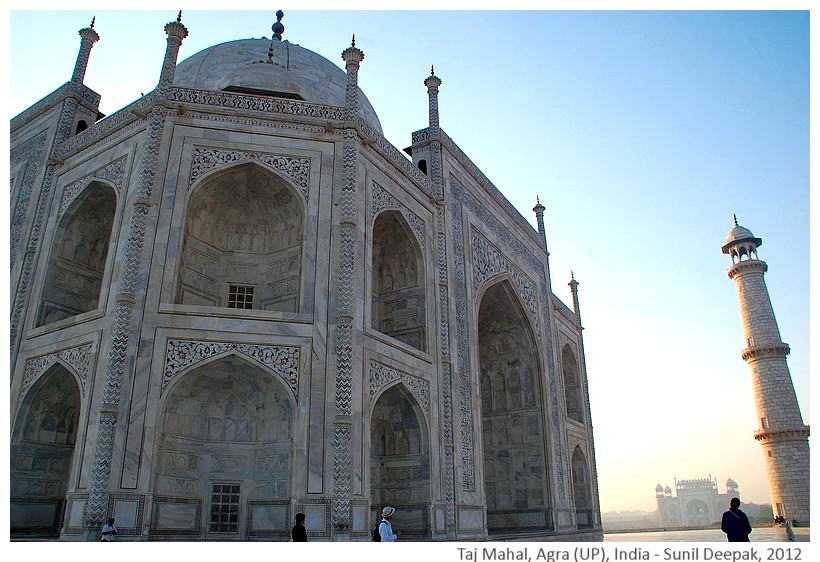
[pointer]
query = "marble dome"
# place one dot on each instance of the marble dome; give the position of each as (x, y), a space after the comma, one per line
(296, 73)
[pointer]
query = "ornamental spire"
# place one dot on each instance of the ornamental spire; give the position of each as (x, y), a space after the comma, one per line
(278, 28)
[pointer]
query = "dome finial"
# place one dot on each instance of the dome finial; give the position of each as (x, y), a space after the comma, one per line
(179, 17)
(92, 22)
(353, 41)
(735, 217)
(278, 28)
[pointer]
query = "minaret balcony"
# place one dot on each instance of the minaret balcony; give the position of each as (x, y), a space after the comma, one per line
(762, 351)
(790, 434)
(747, 266)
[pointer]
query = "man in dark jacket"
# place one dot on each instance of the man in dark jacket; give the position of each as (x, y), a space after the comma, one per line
(735, 523)
(298, 533)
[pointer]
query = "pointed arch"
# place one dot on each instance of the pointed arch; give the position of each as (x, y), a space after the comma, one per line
(581, 489)
(78, 256)
(573, 392)
(42, 449)
(225, 443)
(516, 468)
(243, 241)
(397, 281)
(400, 459)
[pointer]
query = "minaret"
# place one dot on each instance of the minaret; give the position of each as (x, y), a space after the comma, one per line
(89, 37)
(781, 432)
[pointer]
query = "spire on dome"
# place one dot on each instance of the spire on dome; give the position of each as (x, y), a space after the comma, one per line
(277, 28)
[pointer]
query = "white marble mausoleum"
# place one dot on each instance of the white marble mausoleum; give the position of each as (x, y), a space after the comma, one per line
(233, 300)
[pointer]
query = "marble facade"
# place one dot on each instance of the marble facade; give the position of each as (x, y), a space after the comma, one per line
(235, 300)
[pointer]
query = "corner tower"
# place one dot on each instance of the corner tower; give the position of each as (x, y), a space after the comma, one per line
(780, 431)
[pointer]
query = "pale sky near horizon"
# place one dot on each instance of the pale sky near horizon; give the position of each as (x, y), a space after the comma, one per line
(641, 133)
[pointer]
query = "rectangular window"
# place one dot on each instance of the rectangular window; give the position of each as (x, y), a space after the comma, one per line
(764, 422)
(240, 296)
(225, 508)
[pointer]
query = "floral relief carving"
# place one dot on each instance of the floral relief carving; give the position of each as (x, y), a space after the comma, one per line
(78, 357)
(182, 354)
(489, 261)
(381, 199)
(114, 172)
(297, 169)
(382, 375)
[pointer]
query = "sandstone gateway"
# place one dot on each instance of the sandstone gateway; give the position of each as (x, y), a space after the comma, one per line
(233, 300)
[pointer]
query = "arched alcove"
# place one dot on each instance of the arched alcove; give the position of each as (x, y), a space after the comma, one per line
(573, 395)
(78, 255)
(697, 512)
(400, 460)
(515, 465)
(42, 447)
(582, 489)
(397, 282)
(226, 444)
(242, 244)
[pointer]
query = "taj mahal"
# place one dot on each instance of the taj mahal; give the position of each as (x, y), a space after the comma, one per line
(233, 300)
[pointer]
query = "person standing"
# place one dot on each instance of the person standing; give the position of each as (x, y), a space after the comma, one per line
(109, 530)
(298, 533)
(386, 525)
(735, 523)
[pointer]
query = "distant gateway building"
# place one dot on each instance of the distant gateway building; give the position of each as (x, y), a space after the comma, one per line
(234, 300)
(696, 502)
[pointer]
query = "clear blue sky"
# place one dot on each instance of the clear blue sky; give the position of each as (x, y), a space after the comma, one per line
(641, 132)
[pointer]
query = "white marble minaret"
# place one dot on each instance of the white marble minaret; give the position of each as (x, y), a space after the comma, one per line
(780, 431)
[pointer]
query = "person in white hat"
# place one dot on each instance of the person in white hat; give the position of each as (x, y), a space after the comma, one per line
(386, 525)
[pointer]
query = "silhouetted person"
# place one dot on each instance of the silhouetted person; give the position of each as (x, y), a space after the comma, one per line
(298, 533)
(735, 523)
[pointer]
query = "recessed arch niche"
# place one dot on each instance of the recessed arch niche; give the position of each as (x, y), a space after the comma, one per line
(42, 448)
(573, 395)
(243, 242)
(78, 256)
(400, 460)
(515, 465)
(225, 425)
(581, 489)
(397, 281)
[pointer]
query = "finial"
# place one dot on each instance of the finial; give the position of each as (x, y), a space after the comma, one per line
(277, 28)
(537, 200)
(179, 17)
(735, 217)
(432, 70)
(353, 41)
(572, 274)
(92, 21)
